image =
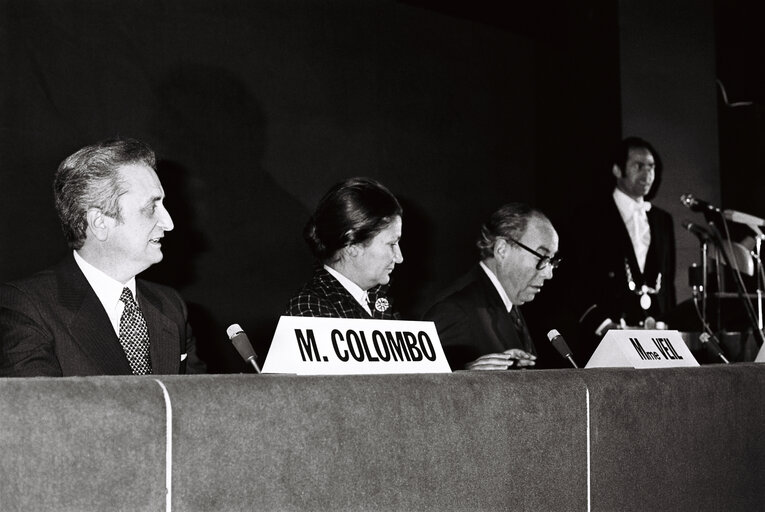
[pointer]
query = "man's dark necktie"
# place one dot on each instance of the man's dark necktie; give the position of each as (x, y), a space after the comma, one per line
(134, 335)
(522, 331)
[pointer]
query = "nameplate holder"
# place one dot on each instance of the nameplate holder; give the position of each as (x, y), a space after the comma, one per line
(641, 348)
(350, 346)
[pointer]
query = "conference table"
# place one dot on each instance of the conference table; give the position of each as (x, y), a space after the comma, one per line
(590, 439)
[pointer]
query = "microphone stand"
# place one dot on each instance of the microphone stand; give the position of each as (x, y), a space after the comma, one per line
(750, 313)
(758, 272)
(254, 364)
(752, 223)
(718, 286)
(703, 291)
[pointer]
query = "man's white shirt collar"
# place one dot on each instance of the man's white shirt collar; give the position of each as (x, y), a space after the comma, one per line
(108, 290)
(627, 206)
(355, 290)
(498, 286)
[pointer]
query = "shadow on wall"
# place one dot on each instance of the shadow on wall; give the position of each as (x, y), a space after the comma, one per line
(236, 253)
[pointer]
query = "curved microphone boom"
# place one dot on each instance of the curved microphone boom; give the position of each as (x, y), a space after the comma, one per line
(743, 218)
(561, 346)
(698, 205)
(242, 344)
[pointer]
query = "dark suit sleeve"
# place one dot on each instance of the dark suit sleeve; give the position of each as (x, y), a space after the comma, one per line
(453, 328)
(26, 345)
(193, 363)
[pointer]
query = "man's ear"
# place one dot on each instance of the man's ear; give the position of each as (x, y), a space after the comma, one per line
(616, 171)
(98, 223)
(500, 248)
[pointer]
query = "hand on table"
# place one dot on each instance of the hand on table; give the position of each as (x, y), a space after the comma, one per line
(503, 360)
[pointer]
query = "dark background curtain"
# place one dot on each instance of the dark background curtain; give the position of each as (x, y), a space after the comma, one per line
(256, 108)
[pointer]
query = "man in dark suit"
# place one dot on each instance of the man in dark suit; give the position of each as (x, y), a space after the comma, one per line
(89, 315)
(479, 322)
(626, 255)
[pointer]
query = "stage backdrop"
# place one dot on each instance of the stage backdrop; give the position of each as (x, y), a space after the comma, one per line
(256, 108)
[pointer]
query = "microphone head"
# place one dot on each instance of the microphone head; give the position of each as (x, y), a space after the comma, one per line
(233, 330)
(697, 205)
(701, 232)
(709, 341)
(559, 343)
(240, 341)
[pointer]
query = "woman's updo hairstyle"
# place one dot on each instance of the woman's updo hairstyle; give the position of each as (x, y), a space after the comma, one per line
(353, 211)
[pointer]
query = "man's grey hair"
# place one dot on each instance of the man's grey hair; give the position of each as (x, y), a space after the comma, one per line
(508, 222)
(90, 178)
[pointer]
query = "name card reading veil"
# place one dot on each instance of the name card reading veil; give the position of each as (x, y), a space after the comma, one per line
(641, 348)
(351, 346)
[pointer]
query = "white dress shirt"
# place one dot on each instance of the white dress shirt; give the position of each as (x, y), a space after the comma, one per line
(635, 219)
(108, 290)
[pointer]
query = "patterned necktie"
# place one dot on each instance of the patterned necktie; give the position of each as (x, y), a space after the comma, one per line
(522, 331)
(134, 335)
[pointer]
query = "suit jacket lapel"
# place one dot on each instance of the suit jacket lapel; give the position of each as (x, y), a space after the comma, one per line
(624, 239)
(88, 323)
(652, 260)
(494, 317)
(165, 353)
(346, 305)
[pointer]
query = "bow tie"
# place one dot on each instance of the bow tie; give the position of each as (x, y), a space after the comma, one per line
(644, 207)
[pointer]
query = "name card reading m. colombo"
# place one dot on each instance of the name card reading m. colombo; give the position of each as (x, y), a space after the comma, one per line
(345, 346)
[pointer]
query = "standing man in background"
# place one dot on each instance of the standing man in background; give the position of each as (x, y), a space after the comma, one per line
(479, 323)
(89, 315)
(626, 249)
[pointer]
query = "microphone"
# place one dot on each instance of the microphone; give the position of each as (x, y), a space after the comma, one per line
(697, 205)
(702, 233)
(561, 346)
(242, 344)
(707, 340)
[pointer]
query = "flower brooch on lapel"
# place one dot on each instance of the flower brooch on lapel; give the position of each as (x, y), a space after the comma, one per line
(382, 304)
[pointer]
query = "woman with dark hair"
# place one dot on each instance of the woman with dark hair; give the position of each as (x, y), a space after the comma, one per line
(354, 234)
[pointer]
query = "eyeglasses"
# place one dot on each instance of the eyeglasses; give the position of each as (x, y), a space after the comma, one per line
(544, 261)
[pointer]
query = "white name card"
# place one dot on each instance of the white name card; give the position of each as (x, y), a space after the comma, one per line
(641, 349)
(760, 355)
(347, 346)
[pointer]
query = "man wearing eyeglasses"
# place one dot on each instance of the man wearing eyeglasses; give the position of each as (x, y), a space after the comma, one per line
(479, 322)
